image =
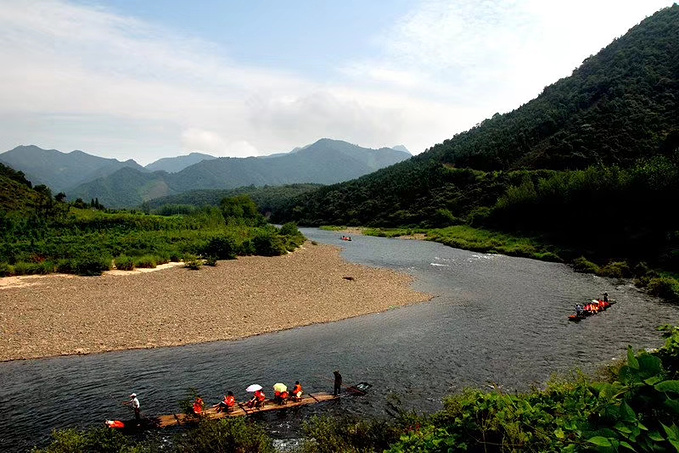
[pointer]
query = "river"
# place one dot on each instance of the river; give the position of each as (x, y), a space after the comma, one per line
(495, 320)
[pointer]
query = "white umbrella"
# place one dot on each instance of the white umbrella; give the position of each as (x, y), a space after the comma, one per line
(279, 387)
(253, 388)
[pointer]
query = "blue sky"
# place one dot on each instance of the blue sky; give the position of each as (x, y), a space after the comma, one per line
(151, 79)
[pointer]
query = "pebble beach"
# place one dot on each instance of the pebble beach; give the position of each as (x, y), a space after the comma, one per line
(43, 316)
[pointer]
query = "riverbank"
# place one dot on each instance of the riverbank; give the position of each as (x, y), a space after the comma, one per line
(59, 315)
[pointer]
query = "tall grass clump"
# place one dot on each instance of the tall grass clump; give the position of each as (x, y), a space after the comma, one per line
(124, 263)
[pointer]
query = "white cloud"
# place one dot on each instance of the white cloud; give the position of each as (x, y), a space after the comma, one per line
(75, 75)
(497, 55)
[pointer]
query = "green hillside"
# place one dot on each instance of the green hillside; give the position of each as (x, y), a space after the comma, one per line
(16, 192)
(590, 164)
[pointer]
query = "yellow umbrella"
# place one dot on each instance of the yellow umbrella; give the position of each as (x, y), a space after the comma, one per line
(280, 387)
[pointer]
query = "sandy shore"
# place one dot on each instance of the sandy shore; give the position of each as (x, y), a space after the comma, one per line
(64, 314)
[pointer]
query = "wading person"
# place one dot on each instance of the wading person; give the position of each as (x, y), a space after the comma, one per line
(134, 404)
(338, 382)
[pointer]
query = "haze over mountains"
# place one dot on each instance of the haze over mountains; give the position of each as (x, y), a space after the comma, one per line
(126, 184)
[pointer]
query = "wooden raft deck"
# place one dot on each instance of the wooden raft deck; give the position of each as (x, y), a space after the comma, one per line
(211, 413)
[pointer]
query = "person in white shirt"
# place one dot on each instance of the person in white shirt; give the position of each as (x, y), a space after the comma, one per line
(134, 403)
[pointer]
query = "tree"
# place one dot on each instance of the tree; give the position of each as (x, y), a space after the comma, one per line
(241, 210)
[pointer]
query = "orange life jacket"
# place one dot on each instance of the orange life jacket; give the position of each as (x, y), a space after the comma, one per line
(297, 389)
(260, 395)
(230, 401)
(284, 395)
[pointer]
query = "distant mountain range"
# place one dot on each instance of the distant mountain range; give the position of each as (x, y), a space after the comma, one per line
(177, 164)
(127, 184)
(62, 171)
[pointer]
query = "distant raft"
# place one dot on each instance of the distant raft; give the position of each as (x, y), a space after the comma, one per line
(592, 308)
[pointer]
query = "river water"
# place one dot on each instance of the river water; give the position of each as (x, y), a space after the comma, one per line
(494, 320)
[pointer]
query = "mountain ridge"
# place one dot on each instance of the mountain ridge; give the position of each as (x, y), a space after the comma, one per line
(61, 171)
(325, 161)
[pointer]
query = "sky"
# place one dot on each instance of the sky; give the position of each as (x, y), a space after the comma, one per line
(142, 80)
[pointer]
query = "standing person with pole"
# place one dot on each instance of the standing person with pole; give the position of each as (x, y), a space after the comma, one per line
(338, 382)
(134, 404)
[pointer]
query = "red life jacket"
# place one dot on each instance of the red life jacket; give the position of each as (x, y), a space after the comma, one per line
(230, 401)
(198, 406)
(115, 424)
(260, 395)
(284, 395)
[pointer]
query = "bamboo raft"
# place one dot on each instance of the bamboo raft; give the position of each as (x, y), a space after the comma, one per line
(241, 411)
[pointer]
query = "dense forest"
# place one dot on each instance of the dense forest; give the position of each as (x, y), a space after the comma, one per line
(590, 165)
(266, 198)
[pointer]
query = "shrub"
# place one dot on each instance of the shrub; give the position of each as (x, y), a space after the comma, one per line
(192, 262)
(615, 270)
(211, 261)
(268, 244)
(665, 287)
(583, 265)
(90, 265)
(104, 440)
(290, 229)
(225, 436)
(350, 434)
(221, 247)
(247, 247)
(124, 263)
(146, 261)
(6, 270)
(22, 268)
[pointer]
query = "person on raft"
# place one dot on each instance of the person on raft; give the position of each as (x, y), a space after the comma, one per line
(606, 297)
(227, 404)
(579, 311)
(257, 400)
(134, 404)
(338, 382)
(198, 406)
(280, 397)
(297, 392)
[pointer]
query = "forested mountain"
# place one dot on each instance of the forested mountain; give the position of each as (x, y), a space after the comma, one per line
(61, 171)
(176, 164)
(589, 148)
(324, 162)
(616, 107)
